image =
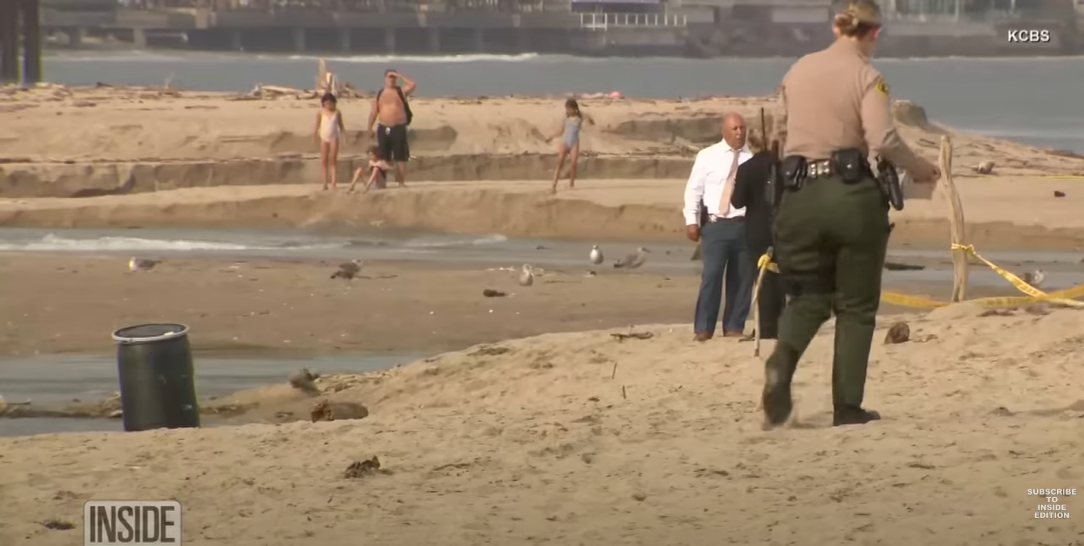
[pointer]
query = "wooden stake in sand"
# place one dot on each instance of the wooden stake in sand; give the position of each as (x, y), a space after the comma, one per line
(763, 130)
(774, 150)
(756, 308)
(960, 258)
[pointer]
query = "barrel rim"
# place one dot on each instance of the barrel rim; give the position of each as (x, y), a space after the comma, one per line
(183, 331)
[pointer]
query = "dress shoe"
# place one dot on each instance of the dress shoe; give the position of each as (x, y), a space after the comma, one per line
(733, 333)
(851, 415)
(702, 336)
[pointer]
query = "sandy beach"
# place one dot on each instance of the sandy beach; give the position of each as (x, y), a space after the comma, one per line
(117, 149)
(581, 438)
(534, 421)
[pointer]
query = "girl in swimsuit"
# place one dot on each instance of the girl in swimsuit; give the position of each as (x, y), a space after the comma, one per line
(329, 128)
(570, 142)
(377, 169)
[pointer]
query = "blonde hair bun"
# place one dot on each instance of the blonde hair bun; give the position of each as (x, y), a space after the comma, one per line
(855, 14)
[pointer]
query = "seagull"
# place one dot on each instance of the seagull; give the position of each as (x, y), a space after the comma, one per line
(632, 261)
(140, 264)
(596, 255)
(527, 277)
(1034, 278)
(348, 270)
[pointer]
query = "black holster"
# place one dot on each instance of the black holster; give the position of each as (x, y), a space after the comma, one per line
(851, 165)
(889, 181)
(773, 189)
(793, 172)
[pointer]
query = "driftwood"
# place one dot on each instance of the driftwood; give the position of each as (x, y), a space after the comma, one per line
(328, 82)
(632, 335)
(262, 91)
(960, 257)
(325, 80)
(272, 90)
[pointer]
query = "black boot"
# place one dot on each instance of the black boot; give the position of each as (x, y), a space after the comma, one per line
(853, 415)
(778, 372)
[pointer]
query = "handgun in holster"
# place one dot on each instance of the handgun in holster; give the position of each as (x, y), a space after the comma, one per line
(793, 171)
(889, 180)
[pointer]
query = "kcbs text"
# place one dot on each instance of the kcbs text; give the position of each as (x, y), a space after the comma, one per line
(131, 523)
(1021, 36)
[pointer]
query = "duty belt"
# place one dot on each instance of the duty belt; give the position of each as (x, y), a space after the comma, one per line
(820, 169)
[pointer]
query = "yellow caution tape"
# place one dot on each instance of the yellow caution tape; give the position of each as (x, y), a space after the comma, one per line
(1067, 297)
(765, 262)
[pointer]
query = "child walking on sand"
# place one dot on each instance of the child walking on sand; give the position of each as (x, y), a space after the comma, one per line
(377, 169)
(329, 129)
(570, 142)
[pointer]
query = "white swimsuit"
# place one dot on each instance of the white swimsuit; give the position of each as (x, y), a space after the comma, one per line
(329, 126)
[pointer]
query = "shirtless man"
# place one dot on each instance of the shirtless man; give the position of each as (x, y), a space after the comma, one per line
(391, 108)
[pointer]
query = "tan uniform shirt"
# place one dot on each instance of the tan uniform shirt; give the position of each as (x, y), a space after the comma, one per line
(835, 99)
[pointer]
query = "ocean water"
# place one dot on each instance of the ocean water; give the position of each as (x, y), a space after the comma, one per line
(483, 251)
(54, 379)
(480, 251)
(1037, 101)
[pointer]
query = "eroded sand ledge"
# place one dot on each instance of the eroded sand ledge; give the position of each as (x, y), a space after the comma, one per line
(115, 140)
(90, 179)
(531, 440)
(1000, 215)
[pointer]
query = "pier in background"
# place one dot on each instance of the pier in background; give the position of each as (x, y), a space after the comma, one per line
(20, 38)
(690, 28)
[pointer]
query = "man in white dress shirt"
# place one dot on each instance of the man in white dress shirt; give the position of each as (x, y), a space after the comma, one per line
(722, 235)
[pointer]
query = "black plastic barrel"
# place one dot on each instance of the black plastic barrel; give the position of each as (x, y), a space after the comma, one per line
(157, 380)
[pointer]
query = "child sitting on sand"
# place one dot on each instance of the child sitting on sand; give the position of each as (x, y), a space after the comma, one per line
(329, 128)
(377, 169)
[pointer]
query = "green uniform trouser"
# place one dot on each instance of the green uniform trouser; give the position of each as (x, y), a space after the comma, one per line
(831, 239)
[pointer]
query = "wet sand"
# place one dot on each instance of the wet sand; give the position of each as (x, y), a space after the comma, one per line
(71, 304)
(76, 393)
(278, 306)
(1002, 213)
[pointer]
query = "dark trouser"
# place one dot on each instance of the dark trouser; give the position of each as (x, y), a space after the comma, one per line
(724, 252)
(770, 303)
(830, 245)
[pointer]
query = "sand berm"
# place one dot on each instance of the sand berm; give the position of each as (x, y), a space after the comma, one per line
(585, 439)
(102, 155)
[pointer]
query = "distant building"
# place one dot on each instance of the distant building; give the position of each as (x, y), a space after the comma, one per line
(618, 6)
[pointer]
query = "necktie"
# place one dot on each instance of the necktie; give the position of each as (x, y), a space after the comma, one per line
(728, 186)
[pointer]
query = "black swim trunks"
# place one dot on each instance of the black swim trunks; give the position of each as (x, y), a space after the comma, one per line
(392, 142)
